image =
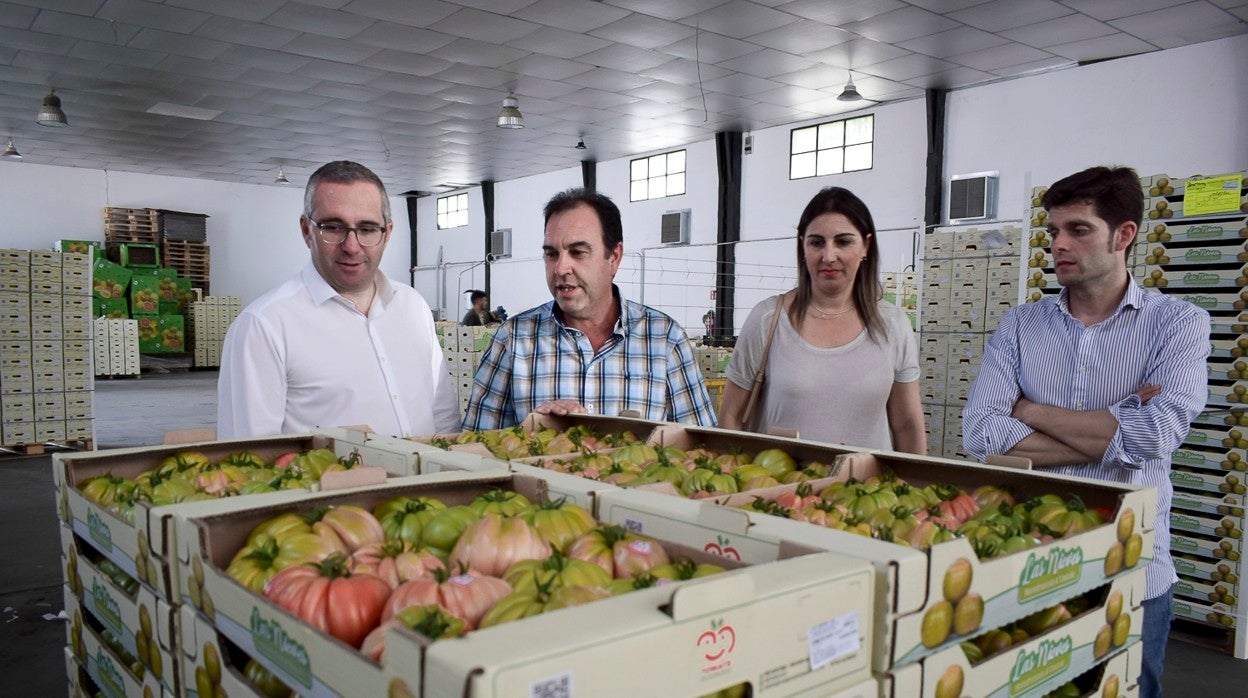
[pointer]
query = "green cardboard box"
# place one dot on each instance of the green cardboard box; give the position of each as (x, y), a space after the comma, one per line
(162, 334)
(184, 296)
(144, 295)
(110, 280)
(91, 247)
(110, 307)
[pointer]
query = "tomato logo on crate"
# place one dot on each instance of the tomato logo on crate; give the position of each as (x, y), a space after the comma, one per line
(722, 547)
(717, 645)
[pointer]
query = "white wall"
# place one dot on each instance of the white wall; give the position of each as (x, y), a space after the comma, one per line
(253, 230)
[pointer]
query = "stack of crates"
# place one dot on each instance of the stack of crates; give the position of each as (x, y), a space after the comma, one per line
(210, 320)
(116, 347)
(463, 347)
(901, 288)
(45, 330)
(970, 278)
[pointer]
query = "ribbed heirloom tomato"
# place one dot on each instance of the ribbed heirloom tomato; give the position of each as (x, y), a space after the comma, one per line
(330, 598)
(493, 543)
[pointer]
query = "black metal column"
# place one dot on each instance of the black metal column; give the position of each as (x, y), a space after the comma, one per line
(487, 202)
(933, 199)
(728, 229)
(589, 174)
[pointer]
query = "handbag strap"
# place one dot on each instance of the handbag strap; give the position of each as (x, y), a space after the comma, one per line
(761, 375)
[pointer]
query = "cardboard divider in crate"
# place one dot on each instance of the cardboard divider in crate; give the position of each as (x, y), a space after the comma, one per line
(911, 582)
(762, 606)
(144, 547)
(210, 665)
(113, 673)
(142, 624)
(1043, 662)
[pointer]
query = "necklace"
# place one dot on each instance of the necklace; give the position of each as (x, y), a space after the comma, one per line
(827, 315)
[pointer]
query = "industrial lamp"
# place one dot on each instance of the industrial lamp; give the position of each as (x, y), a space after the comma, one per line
(10, 153)
(850, 93)
(50, 114)
(510, 116)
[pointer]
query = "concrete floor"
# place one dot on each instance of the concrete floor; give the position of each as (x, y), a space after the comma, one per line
(137, 412)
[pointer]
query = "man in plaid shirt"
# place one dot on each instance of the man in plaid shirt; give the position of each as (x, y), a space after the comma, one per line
(588, 350)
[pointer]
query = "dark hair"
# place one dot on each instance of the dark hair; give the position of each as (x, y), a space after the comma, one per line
(608, 213)
(476, 295)
(344, 172)
(866, 293)
(1114, 193)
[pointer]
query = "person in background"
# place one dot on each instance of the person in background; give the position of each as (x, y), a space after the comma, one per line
(589, 349)
(843, 365)
(1101, 380)
(339, 344)
(479, 313)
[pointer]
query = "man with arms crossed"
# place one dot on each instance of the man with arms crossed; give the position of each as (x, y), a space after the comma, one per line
(339, 344)
(588, 350)
(1101, 380)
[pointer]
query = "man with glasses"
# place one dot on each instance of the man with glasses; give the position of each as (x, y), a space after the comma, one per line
(339, 344)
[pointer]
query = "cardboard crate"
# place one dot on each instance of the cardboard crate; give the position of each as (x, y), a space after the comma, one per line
(1224, 505)
(1233, 394)
(200, 640)
(146, 626)
(1189, 478)
(1220, 458)
(1206, 547)
(108, 670)
(1233, 228)
(17, 433)
(934, 345)
(1222, 280)
(1013, 585)
(1158, 255)
(1221, 595)
(1205, 613)
(147, 542)
(938, 244)
(1042, 663)
(1196, 567)
(1225, 526)
(754, 602)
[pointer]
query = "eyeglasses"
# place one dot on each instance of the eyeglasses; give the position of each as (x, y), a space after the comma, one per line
(335, 233)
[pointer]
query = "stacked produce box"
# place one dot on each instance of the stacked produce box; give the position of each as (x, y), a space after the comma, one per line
(210, 320)
(116, 347)
(45, 359)
(463, 347)
(119, 547)
(970, 278)
(901, 288)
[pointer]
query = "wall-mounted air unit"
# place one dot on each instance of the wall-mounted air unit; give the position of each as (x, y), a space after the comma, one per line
(674, 228)
(500, 244)
(973, 197)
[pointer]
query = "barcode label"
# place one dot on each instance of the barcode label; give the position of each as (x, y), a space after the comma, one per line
(556, 687)
(833, 639)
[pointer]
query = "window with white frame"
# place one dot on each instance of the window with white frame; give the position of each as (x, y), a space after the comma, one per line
(657, 176)
(452, 211)
(832, 148)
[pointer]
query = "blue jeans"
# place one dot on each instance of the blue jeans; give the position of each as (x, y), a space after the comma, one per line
(1158, 612)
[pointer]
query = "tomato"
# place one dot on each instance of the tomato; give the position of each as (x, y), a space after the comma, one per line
(264, 680)
(1042, 620)
(709, 479)
(870, 501)
(684, 568)
(355, 526)
(430, 620)
(394, 562)
(493, 543)
(641, 581)
(502, 502)
(514, 606)
(558, 522)
(104, 489)
(403, 518)
(471, 596)
(221, 481)
(243, 459)
(660, 472)
(992, 496)
(973, 654)
(440, 533)
(171, 490)
(312, 464)
(262, 558)
(912, 498)
(597, 545)
(554, 572)
(637, 454)
(776, 461)
(636, 555)
(331, 599)
(568, 596)
(185, 461)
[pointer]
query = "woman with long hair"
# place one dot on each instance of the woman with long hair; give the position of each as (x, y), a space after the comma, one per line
(843, 365)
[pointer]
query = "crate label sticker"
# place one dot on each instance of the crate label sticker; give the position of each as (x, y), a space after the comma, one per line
(1031, 669)
(1212, 195)
(272, 642)
(554, 687)
(833, 639)
(716, 645)
(1041, 575)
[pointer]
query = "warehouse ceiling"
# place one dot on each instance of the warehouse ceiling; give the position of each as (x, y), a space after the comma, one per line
(232, 90)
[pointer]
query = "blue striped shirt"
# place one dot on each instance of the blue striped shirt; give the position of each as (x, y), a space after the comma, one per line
(1041, 352)
(647, 365)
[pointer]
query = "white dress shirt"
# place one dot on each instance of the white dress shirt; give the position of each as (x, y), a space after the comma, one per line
(302, 356)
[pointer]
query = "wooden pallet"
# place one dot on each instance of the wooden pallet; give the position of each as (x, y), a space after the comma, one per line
(114, 235)
(38, 449)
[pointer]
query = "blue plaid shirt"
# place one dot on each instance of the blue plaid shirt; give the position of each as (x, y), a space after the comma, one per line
(1042, 352)
(647, 365)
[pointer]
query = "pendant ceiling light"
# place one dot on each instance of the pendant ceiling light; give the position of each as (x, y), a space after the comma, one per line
(580, 144)
(850, 93)
(50, 114)
(510, 116)
(10, 152)
(281, 176)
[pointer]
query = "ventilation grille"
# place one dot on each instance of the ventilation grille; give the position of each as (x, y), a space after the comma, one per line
(674, 228)
(500, 244)
(972, 197)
